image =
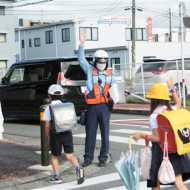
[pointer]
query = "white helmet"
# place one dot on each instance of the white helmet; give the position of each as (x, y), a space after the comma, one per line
(101, 54)
(55, 89)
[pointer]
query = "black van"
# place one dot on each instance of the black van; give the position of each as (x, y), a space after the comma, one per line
(25, 85)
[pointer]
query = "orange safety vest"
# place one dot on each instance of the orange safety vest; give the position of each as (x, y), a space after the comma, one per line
(95, 96)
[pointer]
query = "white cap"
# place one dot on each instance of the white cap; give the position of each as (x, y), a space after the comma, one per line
(55, 89)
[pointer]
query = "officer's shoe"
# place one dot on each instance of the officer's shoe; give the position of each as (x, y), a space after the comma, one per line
(86, 163)
(102, 163)
(80, 175)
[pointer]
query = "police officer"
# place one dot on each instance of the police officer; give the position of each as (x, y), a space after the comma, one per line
(99, 80)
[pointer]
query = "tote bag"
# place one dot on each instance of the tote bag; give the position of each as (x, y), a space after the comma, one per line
(166, 173)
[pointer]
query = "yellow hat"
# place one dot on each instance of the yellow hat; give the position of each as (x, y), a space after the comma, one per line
(158, 91)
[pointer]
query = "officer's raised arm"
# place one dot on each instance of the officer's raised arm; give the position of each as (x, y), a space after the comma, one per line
(81, 55)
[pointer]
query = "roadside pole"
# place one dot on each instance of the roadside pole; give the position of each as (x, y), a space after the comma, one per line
(1, 123)
(181, 6)
(44, 137)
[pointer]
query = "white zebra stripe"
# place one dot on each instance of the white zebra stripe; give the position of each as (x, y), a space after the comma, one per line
(91, 181)
(112, 138)
(129, 131)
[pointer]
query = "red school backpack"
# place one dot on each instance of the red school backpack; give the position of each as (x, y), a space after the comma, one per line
(163, 127)
(177, 125)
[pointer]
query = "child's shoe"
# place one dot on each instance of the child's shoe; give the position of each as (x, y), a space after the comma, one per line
(55, 179)
(80, 175)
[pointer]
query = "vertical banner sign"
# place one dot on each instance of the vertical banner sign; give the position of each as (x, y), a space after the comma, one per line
(149, 29)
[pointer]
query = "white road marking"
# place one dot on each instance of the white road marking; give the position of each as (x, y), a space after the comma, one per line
(127, 124)
(112, 138)
(142, 186)
(88, 182)
(118, 122)
(117, 188)
(129, 131)
(39, 152)
(115, 120)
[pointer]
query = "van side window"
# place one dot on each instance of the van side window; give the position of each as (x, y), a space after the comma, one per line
(34, 73)
(17, 75)
(171, 65)
(187, 64)
(152, 67)
(51, 70)
(74, 72)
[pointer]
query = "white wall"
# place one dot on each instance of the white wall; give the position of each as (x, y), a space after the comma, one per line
(161, 50)
(8, 49)
(53, 50)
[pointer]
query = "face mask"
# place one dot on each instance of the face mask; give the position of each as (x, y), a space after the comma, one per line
(101, 66)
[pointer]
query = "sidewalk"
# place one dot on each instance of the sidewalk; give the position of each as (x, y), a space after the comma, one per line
(141, 109)
(16, 158)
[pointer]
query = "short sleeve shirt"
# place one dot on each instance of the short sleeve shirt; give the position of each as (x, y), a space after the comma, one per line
(157, 111)
(153, 116)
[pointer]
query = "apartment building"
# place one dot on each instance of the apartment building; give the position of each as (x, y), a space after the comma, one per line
(114, 34)
(7, 37)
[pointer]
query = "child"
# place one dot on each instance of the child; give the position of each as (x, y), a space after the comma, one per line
(159, 96)
(57, 140)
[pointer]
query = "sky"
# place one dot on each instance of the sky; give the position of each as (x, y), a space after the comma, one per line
(93, 9)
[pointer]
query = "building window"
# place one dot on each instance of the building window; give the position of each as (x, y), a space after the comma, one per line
(128, 34)
(90, 32)
(36, 42)
(155, 38)
(22, 43)
(2, 10)
(30, 42)
(141, 34)
(116, 65)
(144, 34)
(3, 37)
(20, 22)
(3, 67)
(49, 36)
(65, 34)
(3, 64)
(166, 35)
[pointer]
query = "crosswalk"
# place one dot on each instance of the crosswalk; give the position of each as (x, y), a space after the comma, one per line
(119, 134)
(90, 182)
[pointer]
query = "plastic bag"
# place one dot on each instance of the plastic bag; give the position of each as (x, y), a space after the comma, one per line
(117, 93)
(145, 162)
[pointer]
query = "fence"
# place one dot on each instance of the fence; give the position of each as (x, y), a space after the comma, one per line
(152, 72)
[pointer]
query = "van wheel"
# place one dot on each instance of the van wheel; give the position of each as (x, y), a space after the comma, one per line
(180, 89)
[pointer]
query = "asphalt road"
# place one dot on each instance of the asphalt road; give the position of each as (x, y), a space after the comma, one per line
(31, 176)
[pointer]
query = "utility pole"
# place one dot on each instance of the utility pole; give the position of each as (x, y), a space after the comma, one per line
(170, 25)
(181, 34)
(133, 47)
(133, 37)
